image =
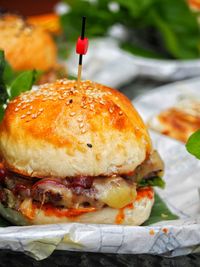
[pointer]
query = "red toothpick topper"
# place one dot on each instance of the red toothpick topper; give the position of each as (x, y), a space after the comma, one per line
(81, 48)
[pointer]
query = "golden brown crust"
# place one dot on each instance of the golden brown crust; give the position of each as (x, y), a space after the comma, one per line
(73, 119)
(26, 46)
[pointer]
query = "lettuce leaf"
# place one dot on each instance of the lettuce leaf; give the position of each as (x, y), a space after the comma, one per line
(193, 144)
(160, 212)
(154, 181)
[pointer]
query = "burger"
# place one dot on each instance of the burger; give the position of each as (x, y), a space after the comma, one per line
(29, 47)
(76, 153)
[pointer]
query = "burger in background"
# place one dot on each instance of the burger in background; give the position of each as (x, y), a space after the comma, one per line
(28, 47)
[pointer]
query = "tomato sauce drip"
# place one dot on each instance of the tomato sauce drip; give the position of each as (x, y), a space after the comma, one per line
(120, 216)
(145, 192)
(141, 193)
(53, 211)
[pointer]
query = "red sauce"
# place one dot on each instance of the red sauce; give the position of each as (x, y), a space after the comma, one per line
(120, 216)
(165, 230)
(145, 192)
(141, 193)
(53, 211)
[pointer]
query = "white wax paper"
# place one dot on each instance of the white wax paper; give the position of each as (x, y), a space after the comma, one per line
(171, 238)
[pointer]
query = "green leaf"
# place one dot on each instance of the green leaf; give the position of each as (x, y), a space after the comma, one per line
(154, 181)
(193, 144)
(22, 83)
(8, 74)
(3, 90)
(2, 110)
(160, 212)
(4, 223)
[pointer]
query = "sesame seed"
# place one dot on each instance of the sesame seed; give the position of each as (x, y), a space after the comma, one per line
(110, 110)
(79, 119)
(28, 113)
(72, 113)
(84, 107)
(16, 109)
(81, 125)
(34, 116)
(41, 109)
(83, 131)
(23, 116)
(101, 102)
(120, 113)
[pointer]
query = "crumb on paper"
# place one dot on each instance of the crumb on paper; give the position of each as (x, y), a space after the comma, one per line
(163, 215)
(152, 232)
(165, 230)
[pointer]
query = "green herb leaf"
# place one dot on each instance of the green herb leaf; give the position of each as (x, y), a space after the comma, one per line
(4, 223)
(193, 144)
(22, 83)
(160, 212)
(8, 74)
(154, 181)
(3, 90)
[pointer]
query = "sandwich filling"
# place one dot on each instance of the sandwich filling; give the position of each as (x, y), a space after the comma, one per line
(89, 193)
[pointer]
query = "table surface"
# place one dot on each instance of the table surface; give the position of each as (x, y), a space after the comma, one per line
(67, 258)
(76, 259)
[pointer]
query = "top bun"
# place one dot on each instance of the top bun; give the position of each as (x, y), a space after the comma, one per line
(26, 46)
(61, 131)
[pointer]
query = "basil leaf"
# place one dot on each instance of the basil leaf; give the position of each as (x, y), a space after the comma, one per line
(154, 181)
(193, 144)
(3, 90)
(4, 223)
(160, 212)
(22, 83)
(8, 74)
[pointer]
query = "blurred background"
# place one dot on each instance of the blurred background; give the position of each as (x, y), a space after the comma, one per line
(134, 45)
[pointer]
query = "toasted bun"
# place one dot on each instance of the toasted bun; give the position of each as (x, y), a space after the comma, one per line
(62, 131)
(25, 46)
(135, 215)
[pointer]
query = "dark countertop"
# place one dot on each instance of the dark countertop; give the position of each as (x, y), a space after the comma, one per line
(66, 258)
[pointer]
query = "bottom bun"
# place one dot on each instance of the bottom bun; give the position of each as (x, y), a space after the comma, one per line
(134, 214)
